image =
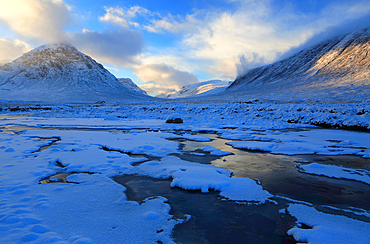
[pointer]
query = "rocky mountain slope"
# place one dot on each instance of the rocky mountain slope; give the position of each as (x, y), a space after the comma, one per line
(60, 73)
(127, 82)
(335, 69)
(206, 88)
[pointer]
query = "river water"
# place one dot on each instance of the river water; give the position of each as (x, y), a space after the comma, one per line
(214, 220)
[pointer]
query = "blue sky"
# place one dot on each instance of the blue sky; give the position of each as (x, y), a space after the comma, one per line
(163, 45)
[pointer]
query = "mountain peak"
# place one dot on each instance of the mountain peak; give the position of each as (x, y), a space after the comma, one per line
(55, 46)
(59, 72)
(54, 54)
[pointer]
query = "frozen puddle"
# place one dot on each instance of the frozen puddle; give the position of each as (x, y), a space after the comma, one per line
(167, 175)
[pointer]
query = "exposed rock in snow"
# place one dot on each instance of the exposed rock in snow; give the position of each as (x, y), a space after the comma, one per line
(174, 119)
(205, 88)
(127, 82)
(60, 73)
(335, 69)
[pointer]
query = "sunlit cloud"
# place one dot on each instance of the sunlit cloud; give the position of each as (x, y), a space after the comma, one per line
(11, 49)
(162, 77)
(42, 20)
(257, 33)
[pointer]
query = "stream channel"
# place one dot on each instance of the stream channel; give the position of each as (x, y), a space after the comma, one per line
(214, 220)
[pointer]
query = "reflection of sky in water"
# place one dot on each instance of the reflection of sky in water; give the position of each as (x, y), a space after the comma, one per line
(213, 220)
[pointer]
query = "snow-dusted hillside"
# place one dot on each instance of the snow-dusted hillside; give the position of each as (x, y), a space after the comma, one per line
(211, 87)
(60, 73)
(336, 69)
(127, 82)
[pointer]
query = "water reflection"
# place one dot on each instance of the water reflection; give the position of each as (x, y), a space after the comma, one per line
(212, 219)
(279, 175)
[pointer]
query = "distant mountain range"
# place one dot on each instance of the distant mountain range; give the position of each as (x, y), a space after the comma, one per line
(206, 88)
(60, 73)
(335, 69)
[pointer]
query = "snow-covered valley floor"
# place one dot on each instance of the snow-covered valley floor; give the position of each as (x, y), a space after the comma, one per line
(249, 171)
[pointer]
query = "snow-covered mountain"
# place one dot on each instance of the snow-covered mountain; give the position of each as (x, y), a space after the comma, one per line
(335, 69)
(127, 82)
(205, 88)
(60, 73)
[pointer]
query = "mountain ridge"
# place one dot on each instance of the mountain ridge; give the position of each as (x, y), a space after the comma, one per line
(334, 65)
(127, 82)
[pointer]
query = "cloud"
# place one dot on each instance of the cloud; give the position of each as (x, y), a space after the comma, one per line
(258, 32)
(123, 16)
(119, 48)
(330, 32)
(250, 62)
(162, 77)
(229, 36)
(173, 24)
(11, 49)
(43, 20)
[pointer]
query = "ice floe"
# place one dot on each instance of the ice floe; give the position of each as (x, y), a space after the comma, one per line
(314, 141)
(337, 172)
(194, 176)
(215, 151)
(326, 228)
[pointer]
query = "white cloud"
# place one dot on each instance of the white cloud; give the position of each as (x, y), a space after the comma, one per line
(257, 32)
(173, 24)
(162, 77)
(123, 16)
(42, 20)
(11, 49)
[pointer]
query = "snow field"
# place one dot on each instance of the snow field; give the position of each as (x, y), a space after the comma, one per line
(213, 114)
(92, 208)
(93, 211)
(60, 212)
